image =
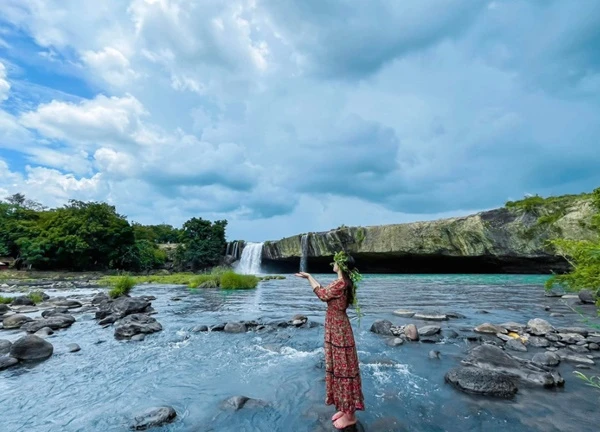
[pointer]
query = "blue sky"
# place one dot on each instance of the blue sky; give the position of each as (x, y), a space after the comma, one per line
(286, 117)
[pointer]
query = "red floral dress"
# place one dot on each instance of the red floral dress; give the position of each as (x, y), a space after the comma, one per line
(342, 375)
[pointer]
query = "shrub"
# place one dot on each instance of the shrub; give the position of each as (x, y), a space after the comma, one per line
(6, 300)
(122, 286)
(231, 280)
(36, 297)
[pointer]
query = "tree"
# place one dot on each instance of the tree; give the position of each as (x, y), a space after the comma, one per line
(202, 243)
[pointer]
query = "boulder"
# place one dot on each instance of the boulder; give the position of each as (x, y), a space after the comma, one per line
(490, 329)
(55, 322)
(513, 327)
(579, 330)
(68, 303)
(492, 358)
(201, 328)
(454, 315)
(122, 306)
(7, 361)
(100, 298)
(402, 313)
(44, 332)
(539, 327)
(546, 359)
(73, 347)
(4, 309)
(382, 327)
(297, 320)
(587, 296)
(134, 324)
(570, 338)
(23, 301)
(238, 402)
(5, 346)
(433, 354)
(538, 342)
(233, 327)
(411, 333)
(429, 330)
(481, 382)
(515, 345)
(31, 347)
(15, 321)
(153, 417)
(431, 317)
(57, 310)
(395, 342)
(567, 355)
(449, 334)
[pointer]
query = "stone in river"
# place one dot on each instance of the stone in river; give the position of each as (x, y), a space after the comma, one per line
(404, 313)
(31, 347)
(429, 330)
(431, 317)
(481, 382)
(154, 417)
(490, 329)
(539, 327)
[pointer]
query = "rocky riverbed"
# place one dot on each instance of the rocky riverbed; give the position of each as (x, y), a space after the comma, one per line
(438, 346)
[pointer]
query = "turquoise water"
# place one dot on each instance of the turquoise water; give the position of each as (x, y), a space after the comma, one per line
(104, 385)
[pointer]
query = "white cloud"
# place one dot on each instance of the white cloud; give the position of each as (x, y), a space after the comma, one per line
(111, 65)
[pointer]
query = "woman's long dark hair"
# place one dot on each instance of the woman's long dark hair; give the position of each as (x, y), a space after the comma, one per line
(351, 265)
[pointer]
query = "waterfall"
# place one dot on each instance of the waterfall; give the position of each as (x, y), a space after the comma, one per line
(251, 259)
(235, 250)
(228, 247)
(304, 256)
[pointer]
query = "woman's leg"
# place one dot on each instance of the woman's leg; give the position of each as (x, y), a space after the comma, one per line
(347, 419)
(337, 415)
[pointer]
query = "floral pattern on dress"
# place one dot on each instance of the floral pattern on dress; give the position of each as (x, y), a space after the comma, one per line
(342, 375)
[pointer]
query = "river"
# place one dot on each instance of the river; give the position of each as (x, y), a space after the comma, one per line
(102, 387)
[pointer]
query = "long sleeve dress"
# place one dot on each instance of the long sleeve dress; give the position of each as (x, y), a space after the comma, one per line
(342, 375)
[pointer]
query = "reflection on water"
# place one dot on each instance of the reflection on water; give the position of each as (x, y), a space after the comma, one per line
(101, 387)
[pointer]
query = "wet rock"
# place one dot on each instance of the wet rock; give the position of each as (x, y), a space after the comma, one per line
(134, 324)
(429, 330)
(138, 337)
(15, 321)
(579, 349)
(382, 327)
(481, 382)
(233, 327)
(411, 333)
(238, 402)
(153, 417)
(5, 346)
(57, 310)
(4, 309)
(594, 346)
(454, 315)
(578, 330)
(68, 303)
(449, 334)
(586, 296)
(433, 354)
(122, 306)
(23, 301)
(516, 345)
(55, 322)
(539, 327)
(7, 361)
(490, 329)
(593, 339)
(73, 347)
(492, 358)
(100, 298)
(570, 338)
(44, 332)
(513, 327)
(552, 337)
(431, 317)
(201, 328)
(218, 327)
(546, 359)
(108, 320)
(538, 342)
(402, 313)
(31, 347)
(395, 342)
(503, 337)
(299, 320)
(566, 355)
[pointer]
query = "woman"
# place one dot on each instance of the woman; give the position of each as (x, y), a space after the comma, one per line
(342, 376)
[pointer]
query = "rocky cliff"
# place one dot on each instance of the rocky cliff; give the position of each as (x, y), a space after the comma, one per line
(513, 239)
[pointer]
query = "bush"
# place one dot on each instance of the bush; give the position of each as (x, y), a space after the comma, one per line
(122, 286)
(36, 297)
(231, 280)
(6, 300)
(205, 281)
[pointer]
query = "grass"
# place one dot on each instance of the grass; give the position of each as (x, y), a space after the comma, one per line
(232, 280)
(36, 297)
(122, 286)
(6, 300)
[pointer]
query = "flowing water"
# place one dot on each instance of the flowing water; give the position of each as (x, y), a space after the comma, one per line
(250, 262)
(304, 255)
(102, 387)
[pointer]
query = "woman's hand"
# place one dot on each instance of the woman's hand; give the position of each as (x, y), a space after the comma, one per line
(303, 275)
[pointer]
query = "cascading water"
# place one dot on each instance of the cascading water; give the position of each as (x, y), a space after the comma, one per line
(251, 259)
(228, 248)
(304, 256)
(235, 249)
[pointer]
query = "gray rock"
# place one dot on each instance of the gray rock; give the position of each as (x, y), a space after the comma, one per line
(138, 337)
(594, 346)
(538, 342)
(566, 355)
(5, 346)
(429, 330)
(298, 320)
(221, 327)
(73, 347)
(431, 317)
(31, 347)
(4, 309)
(579, 330)
(153, 417)
(238, 402)
(449, 334)
(579, 349)
(404, 313)
(433, 354)
(122, 306)
(23, 301)
(454, 315)
(111, 319)
(490, 329)
(546, 359)
(15, 321)
(593, 339)
(481, 382)
(515, 345)
(100, 298)
(570, 338)
(492, 358)
(382, 327)
(55, 322)
(68, 303)
(134, 324)
(395, 342)
(233, 327)
(44, 332)
(411, 333)
(552, 337)
(586, 296)
(7, 361)
(201, 328)
(539, 327)
(57, 310)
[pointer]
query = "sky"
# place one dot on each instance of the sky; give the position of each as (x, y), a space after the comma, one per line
(286, 117)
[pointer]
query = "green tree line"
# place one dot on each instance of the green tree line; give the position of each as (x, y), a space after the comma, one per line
(93, 236)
